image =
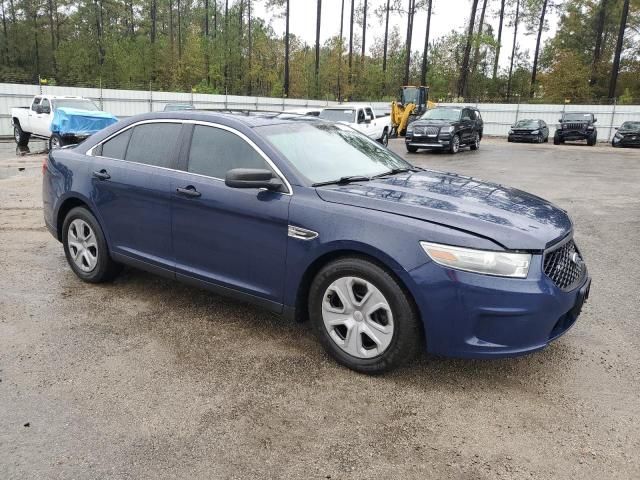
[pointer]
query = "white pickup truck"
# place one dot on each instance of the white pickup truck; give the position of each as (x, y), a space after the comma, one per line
(361, 118)
(35, 120)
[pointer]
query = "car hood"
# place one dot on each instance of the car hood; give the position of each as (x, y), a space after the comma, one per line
(512, 218)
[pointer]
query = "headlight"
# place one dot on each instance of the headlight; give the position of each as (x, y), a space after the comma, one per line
(502, 264)
(618, 135)
(448, 129)
(590, 127)
(510, 132)
(535, 132)
(409, 129)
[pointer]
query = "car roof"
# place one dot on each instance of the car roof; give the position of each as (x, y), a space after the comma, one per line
(248, 118)
(342, 106)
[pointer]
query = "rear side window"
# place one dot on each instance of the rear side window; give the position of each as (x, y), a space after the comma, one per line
(117, 146)
(215, 151)
(153, 143)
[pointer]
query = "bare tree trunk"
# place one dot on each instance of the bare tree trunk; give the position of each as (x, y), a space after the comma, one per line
(513, 50)
(286, 53)
(597, 51)
(6, 36)
(464, 73)
(613, 83)
(179, 30)
(534, 70)
(476, 52)
(351, 40)
(407, 63)
(171, 36)
(318, 22)
(386, 38)
(35, 38)
(425, 52)
(340, 47)
(153, 13)
(131, 29)
(250, 48)
(499, 41)
(364, 31)
(206, 42)
(226, 46)
(98, 12)
(215, 18)
(53, 37)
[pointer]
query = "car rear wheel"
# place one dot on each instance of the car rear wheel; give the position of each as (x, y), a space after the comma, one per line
(86, 248)
(475, 145)
(556, 140)
(363, 317)
(384, 140)
(412, 149)
(55, 141)
(591, 141)
(22, 138)
(454, 145)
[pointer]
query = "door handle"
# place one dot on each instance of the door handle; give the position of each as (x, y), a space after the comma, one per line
(189, 191)
(102, 175)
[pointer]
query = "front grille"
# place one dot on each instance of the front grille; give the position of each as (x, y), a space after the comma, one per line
(575, 126)
(564, 265)
(431, 131)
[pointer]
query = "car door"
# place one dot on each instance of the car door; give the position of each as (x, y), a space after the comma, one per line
(32, 115)
(131, 191)
(371, 125)
(467, 125)
(228, 237)
(42, 119)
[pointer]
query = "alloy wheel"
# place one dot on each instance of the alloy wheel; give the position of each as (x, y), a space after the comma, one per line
(357, 317)
(83, 245)
(16, 134)
(456, 144)
(55, 142)
(385, 138)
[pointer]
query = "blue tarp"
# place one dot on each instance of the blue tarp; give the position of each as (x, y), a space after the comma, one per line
(71, 121)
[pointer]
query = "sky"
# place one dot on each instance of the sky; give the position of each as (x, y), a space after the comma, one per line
(446, 15)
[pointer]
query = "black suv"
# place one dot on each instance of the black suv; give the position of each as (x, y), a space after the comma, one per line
(628, 135)
(445, 128)
(576, 126)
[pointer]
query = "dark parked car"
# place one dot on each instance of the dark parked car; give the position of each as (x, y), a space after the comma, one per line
(446, 128)
(627, 135)
(384, 258)
(529, 130)
(576, 126)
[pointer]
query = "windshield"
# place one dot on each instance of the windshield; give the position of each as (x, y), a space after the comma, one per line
(324, 151)
(411, 95)
(78, 103)
(631, 125)
(341, 115)
(527, 124)
(577, 117)
(442, 114)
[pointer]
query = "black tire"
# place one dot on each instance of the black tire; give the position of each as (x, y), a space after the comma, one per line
(21, 137)
(592, 140)
(509, 139)
(407, 337)
(454, 144)
(384, 140)
(556, 140)
(55, 142)
(105, 269)
(412, 149)
(475, 145)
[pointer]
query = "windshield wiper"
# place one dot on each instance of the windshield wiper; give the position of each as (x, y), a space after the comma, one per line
(395, 171)
(343, 180)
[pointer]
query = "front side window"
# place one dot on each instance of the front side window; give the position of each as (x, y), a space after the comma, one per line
(360, 116)
(153, 143)
(36, 102)
(215, 151)
(323, 152)
(45, 104)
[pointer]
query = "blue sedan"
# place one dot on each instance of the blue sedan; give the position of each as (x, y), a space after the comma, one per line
(317, 222)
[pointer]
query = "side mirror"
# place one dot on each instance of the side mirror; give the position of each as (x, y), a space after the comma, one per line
(595, 120)
(560, 120)
(368, 118)
(252, 178)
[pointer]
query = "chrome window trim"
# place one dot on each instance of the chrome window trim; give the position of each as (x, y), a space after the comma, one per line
(264, 156)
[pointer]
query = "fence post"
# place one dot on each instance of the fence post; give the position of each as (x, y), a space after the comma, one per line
(517, 110)
(613, 114)
(150, 98)
(226, 94)
(192, 96)
(101, 99)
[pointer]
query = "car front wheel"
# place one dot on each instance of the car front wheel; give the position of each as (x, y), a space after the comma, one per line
(55, 141)
(475, 145)
(85, 247)
(363, 317)
(21, 137)
(384, 140)
(454, 145)
(412, 149)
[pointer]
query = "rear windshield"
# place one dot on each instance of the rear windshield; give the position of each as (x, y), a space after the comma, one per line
(75, 103)
(577, 117)
(338, 115)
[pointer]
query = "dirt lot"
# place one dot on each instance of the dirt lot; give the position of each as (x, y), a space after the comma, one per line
(147, 378)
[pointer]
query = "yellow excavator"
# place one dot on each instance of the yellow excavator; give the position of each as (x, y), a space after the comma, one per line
(414, 101)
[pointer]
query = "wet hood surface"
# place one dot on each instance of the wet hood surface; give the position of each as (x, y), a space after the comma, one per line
(515, 219)
(433, 123)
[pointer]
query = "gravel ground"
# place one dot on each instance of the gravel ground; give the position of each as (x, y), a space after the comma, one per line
(147, 378)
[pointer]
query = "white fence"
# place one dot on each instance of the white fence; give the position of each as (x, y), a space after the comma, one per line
(497, 117)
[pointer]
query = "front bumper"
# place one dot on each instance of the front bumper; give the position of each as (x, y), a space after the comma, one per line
(628, 141)
(575, 134)
(428, 141)
(470, 315)
(524, 137)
